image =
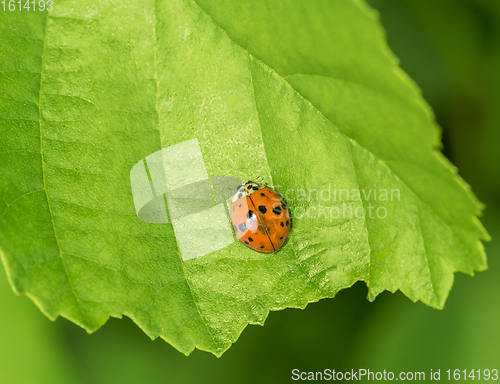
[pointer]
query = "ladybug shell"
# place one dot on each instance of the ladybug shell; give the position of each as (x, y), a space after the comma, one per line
(260, 217)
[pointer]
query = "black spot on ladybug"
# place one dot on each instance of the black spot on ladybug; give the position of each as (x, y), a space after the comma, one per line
(242, 190)
(281, 238)
(262, 246)
(249, 214)
(246, 242)
(262, 209)
(235, 229)
(277, 210)
(283, 205)
(287, 222)
(240, 195)
(249, 181)
(268, 229)
(239, 206)
(282, 224)
(250, 239)
(239, 186)
(255, 188)
(249, 187)
(242, 227)
(263, 194)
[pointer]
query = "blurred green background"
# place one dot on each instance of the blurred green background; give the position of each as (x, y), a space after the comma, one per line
(451, 48)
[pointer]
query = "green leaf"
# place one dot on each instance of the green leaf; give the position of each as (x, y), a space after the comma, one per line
(305, 95)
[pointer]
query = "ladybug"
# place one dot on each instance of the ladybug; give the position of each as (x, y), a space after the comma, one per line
(260, 217)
